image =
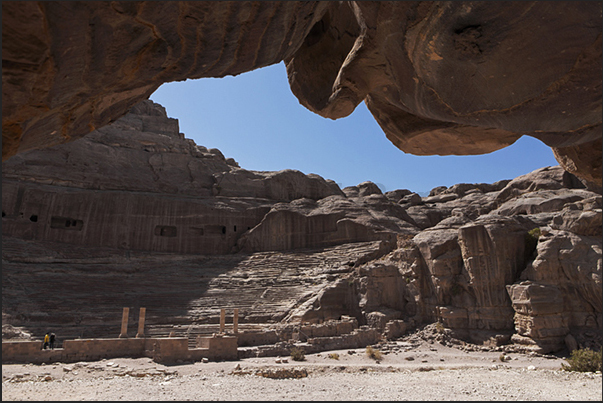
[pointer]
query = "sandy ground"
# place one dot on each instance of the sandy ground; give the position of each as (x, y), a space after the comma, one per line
(418, 372)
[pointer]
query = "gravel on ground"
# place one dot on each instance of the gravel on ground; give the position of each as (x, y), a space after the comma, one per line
(423, 372)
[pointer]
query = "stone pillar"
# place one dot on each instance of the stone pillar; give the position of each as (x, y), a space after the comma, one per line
(222, 319)
(235, 321)
(124, 323)
(141, 316)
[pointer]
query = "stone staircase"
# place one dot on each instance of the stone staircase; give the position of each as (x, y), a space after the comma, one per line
(80, 292)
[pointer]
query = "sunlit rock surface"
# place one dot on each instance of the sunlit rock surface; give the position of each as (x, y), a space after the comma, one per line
(137, 215)
(139, 184)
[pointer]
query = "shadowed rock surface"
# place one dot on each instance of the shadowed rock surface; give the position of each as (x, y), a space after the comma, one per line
(439, 77)
(137, 215)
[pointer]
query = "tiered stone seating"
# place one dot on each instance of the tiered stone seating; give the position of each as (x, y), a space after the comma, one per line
(182, 294)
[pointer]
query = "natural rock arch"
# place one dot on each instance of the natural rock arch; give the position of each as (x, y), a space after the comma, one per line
(439, 77)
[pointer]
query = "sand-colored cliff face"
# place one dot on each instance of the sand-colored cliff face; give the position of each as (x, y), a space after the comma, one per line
(439, 77)
(135, 214)
(138, 184)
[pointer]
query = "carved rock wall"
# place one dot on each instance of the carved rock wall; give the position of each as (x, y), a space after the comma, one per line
(125, 220)
(571, 263)
(80, 291)
(539, 314)
(139, 184)
(439, 77)
(201, 227)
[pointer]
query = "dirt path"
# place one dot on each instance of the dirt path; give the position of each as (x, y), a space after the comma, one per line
(426, 372)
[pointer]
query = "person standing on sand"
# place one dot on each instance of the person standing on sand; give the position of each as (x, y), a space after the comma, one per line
(46, 341)
(51, 340)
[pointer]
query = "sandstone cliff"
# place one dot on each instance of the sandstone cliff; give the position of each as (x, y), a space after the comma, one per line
(439, 77)
(135, 214)
(141, 177)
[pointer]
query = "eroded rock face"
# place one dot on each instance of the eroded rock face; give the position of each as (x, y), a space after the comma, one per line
(479, 269)
(561, 290)
(461, 77)
(137, 204)
(69, 68)
(439, 77)
(139, 184)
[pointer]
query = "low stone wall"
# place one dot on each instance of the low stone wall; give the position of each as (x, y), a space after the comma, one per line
(97, 349)
(28, 351)
(257, 337)
(362, 336)
(166, 349)
(216, 348)
(328, 329)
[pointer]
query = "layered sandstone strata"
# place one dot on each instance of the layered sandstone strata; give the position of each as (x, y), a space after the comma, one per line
(136, 215)
(138, 184)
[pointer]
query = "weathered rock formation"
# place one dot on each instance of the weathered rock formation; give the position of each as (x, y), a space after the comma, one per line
(473, 256)
(135, 214)
(72, 67)
(439, 77)
(460, 77)
(139, 184)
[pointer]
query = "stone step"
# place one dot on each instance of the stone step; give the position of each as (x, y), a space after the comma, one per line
(71, 297)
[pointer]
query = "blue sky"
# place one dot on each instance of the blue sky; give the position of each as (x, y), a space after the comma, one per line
(255, 119)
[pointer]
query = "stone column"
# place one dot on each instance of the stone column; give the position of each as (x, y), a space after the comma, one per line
(124, 323)
(141, 322)
(235, 321)
(222, 320)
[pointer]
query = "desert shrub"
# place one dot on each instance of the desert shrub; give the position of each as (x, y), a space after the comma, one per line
(298, 354)
(373, 353)
(584, 360)
(531, 242)
(334, 356)
(439, 327)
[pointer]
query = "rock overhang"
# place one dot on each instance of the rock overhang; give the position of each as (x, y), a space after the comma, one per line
(440, 78)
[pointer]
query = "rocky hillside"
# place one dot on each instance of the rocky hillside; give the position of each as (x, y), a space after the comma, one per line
(135, 214)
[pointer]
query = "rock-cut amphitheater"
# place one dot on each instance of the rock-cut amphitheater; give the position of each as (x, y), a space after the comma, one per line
(106, 205)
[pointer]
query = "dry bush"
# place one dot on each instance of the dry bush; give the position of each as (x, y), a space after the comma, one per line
(374, 353)
(298, 354)
(584, 360)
